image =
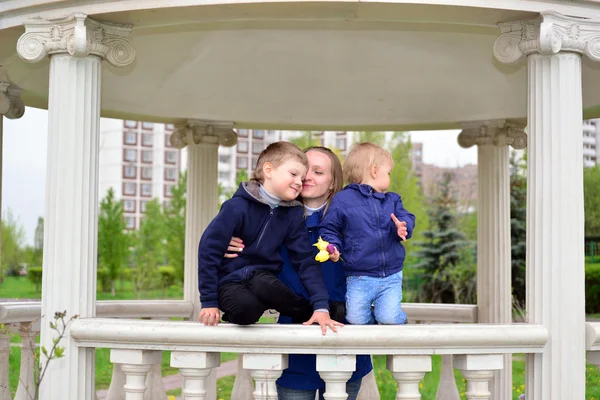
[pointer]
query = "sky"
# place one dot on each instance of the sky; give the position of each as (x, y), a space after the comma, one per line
(24, 163)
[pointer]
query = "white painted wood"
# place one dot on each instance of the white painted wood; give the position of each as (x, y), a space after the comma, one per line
(265, 369)
(4, 354)
(478, 370)
(71, 216)
(195, 368)
(408, 372)
(447, 389)
(26, 387)
(335, 370)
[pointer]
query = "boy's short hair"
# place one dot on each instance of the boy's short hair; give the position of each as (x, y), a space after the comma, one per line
(277, 153)
(361, 158)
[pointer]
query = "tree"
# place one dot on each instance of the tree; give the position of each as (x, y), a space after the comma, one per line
(174, 218)
(518, 217)
(13, 240)
(149, 249)
(113, 241)
(440, 251)
(591, 193)
(38, 242)
(305, 140)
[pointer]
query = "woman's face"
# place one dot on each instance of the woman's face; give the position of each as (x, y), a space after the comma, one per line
(319, 178)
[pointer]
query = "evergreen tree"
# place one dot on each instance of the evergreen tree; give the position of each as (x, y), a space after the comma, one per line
(439, 252)
(174, 214)
(149, 249)
(113, 241)
(518, 216)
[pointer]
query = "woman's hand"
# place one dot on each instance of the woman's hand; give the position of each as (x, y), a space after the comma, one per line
(236, 245)
(210, 316)
(323, 319)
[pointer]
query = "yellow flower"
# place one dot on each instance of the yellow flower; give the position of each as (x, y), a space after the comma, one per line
(321, 244)
(322, 256)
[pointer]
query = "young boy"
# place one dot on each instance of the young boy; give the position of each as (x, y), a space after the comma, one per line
(368, 224)
(265, 214)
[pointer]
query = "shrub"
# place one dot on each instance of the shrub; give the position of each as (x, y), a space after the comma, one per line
(35, 276)
(103, 275)
(125, 274)
(592, 288)
(167, 276)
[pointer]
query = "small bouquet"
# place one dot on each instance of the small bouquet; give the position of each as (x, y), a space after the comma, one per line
(325, 249)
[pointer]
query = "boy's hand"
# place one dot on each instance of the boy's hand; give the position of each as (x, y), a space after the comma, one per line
(323, 319)
(210, 316)
(236, 245)
(335, 256)
(401, 227)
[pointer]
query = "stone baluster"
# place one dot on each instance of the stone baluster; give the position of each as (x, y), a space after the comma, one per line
(26, 387)
(265, 369)
(4, 354)
(409, 372)
(478, 370)
(335, 370)
(195, 368)
(447, 389)
(135, 364)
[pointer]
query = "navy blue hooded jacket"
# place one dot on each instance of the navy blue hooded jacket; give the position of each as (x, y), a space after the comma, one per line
(359, 224)
(301, 373)
(263, 229)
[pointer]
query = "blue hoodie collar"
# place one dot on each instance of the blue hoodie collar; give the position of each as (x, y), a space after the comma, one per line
(365, 190)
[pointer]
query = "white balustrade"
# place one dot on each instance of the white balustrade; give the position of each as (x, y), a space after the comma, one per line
(195, 367)
(4, 353)
(335, 370)
(26, 387)
(409, 370)
(135, 364)
(592, 333)
(447, 389)
(478, 370)
(265, 369)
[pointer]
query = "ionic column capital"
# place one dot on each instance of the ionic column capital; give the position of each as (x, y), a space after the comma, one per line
(78, 36)
(494, 132)
(201, 132)
(548, 34)
(11, 105)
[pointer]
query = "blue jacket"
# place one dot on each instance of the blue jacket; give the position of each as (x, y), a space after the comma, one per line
(263, 231)
(301, 373)
(359, 224)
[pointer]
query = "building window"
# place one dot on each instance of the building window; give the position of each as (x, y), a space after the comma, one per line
(130, 137)
(242, 133)
(129, 172)
(129, 188)
(168, 141)
(259, 134)
(224, 176)
(147, 139)
(254, 161)
(130, 124)
(170, 174)
(147, 156)
(169, 127)
(129, 155)
(340, 143)
(168, 190)
(143, 204)
(170, 157)
(147, 173)
(242, 146)
(146, 189)
(242, 162)
(257, 147)
(130, 222)
(224, 159)
(147, 125)
(129, 205)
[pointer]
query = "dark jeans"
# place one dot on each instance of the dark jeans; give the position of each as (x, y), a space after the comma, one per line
(245, 302)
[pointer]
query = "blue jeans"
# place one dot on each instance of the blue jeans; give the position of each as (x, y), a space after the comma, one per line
(352, 389)
(384, 294)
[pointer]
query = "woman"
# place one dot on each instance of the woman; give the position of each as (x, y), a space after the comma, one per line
(301, 381)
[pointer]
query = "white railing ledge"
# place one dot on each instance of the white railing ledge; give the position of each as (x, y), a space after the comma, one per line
(592, 333)
(15, 312)
(274, 338)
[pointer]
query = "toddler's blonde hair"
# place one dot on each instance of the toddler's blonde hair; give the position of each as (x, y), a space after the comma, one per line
(361, 158)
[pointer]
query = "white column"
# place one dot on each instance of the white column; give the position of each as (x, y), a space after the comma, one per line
(409, 371)
(77, 46)
(494, 294)
(335, 370)
(478, 370)
(265, 369)
(195, 368)
(553, 45)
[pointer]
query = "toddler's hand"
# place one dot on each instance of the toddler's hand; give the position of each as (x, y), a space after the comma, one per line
(335, 256)
(210, 316)
(401, 228)
(323, 319)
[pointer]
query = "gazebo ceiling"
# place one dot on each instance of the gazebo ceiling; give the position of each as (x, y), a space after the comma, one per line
(338, 65)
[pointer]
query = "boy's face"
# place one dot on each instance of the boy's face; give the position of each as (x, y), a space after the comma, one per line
(285, 181)
(381, 180)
